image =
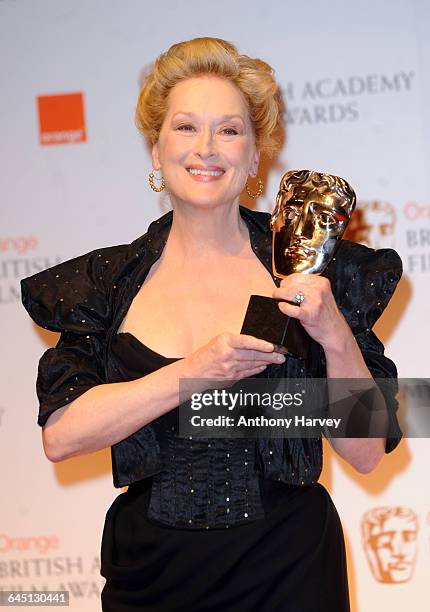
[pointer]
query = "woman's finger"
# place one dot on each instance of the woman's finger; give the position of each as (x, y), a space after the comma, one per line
(244, 355)
(291, 310)
(290, 293)
(255, 363)
(245, 341)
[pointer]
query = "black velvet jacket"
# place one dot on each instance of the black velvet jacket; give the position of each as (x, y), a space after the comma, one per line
(86, 298)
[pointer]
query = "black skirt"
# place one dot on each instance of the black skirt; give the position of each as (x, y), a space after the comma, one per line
(293, 560)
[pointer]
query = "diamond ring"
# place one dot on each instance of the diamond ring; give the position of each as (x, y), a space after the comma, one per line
(299, 298)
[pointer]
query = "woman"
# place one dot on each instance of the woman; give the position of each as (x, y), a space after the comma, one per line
(206, 524)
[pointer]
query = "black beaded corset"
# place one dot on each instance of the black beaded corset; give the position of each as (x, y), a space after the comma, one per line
(203, 483)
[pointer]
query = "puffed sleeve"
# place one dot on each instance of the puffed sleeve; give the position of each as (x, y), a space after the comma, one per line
(363, 281)
(71, 298)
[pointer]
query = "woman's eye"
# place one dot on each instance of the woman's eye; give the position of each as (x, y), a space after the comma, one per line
(230, 131)
(185, 128)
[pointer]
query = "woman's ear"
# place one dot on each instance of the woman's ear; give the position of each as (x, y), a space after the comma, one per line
(155, 159)
(254, 164)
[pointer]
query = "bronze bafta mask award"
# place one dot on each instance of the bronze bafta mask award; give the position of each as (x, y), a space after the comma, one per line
(310, 217)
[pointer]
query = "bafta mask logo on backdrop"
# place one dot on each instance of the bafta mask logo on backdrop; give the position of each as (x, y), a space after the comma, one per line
(61, 119)
(389, 537)
(373, 223)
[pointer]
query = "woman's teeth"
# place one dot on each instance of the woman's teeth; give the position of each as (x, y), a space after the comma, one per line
(205, 172)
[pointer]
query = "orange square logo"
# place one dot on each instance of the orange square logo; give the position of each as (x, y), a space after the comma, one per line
(61, 119)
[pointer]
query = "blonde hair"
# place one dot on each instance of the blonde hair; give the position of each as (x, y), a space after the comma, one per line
(213, 56)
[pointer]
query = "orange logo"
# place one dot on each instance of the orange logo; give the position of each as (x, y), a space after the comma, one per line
(373, 223)
(61, 119)
(41, 544)
(389, 538)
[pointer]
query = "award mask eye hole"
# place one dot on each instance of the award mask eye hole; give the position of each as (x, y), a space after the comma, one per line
(325, 219)
(385, 229)
(409, 536)
(292, 210)
(383, 540)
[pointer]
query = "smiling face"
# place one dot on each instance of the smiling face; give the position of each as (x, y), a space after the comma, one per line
(311, 214)
(206, 148)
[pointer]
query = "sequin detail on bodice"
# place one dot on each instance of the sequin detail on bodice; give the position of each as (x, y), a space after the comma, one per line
(204, 483)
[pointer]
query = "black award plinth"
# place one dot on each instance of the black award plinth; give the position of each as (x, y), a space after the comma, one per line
(263, 319)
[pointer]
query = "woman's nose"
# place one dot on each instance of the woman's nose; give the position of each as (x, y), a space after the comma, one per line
(205, 143)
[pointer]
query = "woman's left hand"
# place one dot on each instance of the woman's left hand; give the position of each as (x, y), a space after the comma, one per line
(318, 313)
(324, 322)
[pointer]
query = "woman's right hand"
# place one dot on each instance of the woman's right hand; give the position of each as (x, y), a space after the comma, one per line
(232, 356)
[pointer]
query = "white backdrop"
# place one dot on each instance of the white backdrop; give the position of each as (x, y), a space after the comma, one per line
(357, 81)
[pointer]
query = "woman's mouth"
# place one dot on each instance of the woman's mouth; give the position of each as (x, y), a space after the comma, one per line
(206, 174)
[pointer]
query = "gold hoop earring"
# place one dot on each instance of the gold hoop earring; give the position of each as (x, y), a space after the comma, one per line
(153, 186)
(260, 187)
